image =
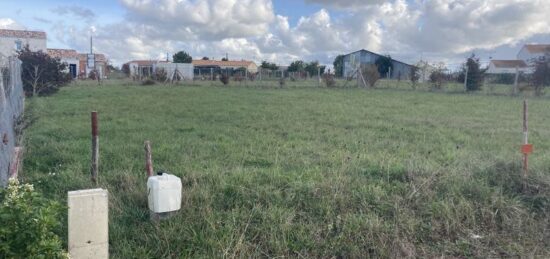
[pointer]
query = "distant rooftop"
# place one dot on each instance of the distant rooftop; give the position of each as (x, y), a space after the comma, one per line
(230, 63)
(537, 48)
(63, 53)
(509, 63)
(22, 34)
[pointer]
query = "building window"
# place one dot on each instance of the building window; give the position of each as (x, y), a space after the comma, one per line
(18, 45)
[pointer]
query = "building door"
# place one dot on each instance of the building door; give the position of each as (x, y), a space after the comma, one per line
(72, 70)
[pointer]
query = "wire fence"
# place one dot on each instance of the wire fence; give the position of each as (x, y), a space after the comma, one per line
(11, 110)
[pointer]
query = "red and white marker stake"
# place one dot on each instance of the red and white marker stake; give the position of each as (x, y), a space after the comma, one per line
(527, 148)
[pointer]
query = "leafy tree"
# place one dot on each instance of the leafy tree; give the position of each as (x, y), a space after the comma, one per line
(269, 66)
(42, 74)
(205, 58)
(297, 66)
(339, 66)
(313, 68)
(126, 69)
(541, 75)
(438, 79)
(414, 76)
(225, 59)
(182, 57)
(475, 74)
(384, 64)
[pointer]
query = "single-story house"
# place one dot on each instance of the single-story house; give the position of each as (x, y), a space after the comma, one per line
(352, 61)
(12, 41)
(508, 67)
(533, 52)
(69, 56)
(100, 64)
(143, 68)
(205, 66)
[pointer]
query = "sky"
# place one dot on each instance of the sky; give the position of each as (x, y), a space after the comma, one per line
(282, 31)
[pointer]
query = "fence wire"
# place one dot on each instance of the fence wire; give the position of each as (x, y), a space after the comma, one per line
(11, 110)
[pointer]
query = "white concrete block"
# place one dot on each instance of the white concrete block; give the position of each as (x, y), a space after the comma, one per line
(88, 224)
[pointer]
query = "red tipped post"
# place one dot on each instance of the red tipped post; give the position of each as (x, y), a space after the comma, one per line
(526, 148)
(148, 159)
(95, 147)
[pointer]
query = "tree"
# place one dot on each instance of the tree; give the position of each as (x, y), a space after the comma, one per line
(205, 58)
(474, 74)
(339, 66)
(225, 59)
(313, 68)
(541, 75)
(384, 64)
(368, 75)
(414, 76)
(296, 66)
(438, 79)
(269, 66)
(126, 69)
(182, 57)
(41, 74)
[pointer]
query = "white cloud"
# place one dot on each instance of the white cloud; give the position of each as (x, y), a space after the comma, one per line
(7, 23)
(250, 29)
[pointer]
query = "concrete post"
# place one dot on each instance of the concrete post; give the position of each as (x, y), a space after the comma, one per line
(88, 220)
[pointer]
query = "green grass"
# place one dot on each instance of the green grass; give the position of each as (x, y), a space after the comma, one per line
(301, 171)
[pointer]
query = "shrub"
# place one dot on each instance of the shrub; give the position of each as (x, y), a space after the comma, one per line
(282, 82)
(161, 75)
(370, 75)
(93, 75)
(414, 76)
(224, 78)
(475, 74)
(438, 79)
(28, 221)
(541, 76)
(329, 81)
(148, 81)
(42, 74)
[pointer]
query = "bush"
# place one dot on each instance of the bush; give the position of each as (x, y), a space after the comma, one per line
(148, 81)
(224, 78)
(414, 76)
(28, 221)
(42, 74)
(94, 75)
(475, 74)
(282, 82)
(541, 76)
(161, 75)
(438, 79)
(329, 81)
(370, 74)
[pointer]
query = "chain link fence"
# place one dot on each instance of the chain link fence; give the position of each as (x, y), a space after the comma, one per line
(11, 110)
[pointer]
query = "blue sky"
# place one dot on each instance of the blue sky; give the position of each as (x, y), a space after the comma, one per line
(285, 30)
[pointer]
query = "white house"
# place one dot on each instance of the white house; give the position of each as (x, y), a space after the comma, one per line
(69, 56)
(533, 52)
(508, 67)
(13, 40)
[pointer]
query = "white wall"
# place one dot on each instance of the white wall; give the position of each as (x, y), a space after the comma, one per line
(506, 70)
(7, 45)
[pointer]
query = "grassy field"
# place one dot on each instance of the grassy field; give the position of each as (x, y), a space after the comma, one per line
(302, 172)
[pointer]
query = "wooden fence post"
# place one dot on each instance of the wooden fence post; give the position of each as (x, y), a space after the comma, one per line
(95, 147)
(148, 159)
